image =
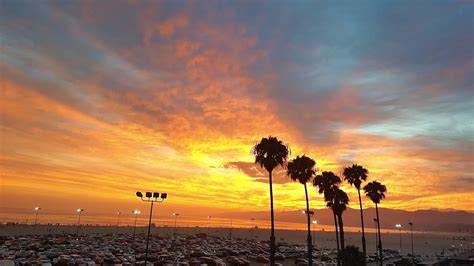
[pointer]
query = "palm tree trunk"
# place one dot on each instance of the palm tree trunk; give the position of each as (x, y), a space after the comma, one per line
(337, 238)
(272, 235)
(364, 248)
(380, 239)
(310, 242)
(341, 230)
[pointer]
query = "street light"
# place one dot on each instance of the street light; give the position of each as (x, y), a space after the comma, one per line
(37, 209)
(152, 198)
(376, 240)
(79, 220)
(175, 222)
(253, 227)
(135, 212)
(411, 229)
(399, 226)
(314, 230)
(118, 220)
(208, 223)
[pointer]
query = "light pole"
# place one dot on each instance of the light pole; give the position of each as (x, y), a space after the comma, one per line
(37, 209)
(136, 213)
(314, 230)
(411, 229)
(118, 220)
(152, 198)
(310, 242)
(175, 222)
(376, 240)
(208, 224)
(399, 226)
(253, 227)
(230, 229)
(79, 220)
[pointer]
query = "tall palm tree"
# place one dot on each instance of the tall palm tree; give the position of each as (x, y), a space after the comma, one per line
(302, 169)
(269, 153)
(376, 192)
(355, 175)
(339, 205)
(326, 182)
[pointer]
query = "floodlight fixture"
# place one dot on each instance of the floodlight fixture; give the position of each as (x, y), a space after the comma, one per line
(80, 210)
(152, 197)
(37, 208)
(315, 222)
(398, 226)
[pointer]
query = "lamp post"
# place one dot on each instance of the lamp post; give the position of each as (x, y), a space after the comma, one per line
(175, 222)
(118, 220)
(411, 229)
(37, 209)
(253, 227)
(314, 230)
(152, 198)
(208, 224)
(376, 240)
(136, 213)
(399, 226)
(78, 219)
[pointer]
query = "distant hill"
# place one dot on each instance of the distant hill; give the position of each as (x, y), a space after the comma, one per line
(426, 220)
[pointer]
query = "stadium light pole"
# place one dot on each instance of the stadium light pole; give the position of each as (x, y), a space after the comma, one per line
(79, 219)
(399, 226)
(37, 209)
(411, 229)
(152, 198)
(175, 222)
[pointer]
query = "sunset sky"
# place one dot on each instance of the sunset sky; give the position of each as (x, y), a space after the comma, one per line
(99, 99)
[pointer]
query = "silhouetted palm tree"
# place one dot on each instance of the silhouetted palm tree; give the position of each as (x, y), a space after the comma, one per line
(302, 169)
(339, 204)
(355, 175)
(269, 153)
(351, 256)
(326, 182)
(376, 192)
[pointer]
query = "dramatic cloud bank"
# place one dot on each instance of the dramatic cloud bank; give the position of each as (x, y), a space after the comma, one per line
(102, 98)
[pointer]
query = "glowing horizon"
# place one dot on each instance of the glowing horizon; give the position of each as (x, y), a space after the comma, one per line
(99, 101)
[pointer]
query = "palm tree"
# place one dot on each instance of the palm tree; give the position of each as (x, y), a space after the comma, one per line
(376, 192)
(269, 153)
(339, 205)
(355, 175)
(352, 256)
(326, 182)
(302, 169)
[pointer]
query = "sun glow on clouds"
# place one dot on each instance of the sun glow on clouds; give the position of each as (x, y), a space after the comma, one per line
(93, 108)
